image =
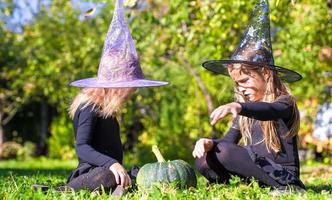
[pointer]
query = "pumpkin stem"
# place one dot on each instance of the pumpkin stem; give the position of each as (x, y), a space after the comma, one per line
(157, 153)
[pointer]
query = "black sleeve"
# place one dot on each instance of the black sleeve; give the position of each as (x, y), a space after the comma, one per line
(87, 120)
(233, 135)
(282, 108)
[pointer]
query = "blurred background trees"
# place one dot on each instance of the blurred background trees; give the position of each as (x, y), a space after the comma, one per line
(57, 44)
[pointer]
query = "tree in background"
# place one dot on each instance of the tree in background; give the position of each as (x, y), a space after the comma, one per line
(10, 97)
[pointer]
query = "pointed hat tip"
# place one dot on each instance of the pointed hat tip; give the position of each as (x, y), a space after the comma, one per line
(118, 4)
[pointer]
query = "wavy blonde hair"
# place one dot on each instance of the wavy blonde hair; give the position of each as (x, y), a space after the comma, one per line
(106, 101)
(274, 88)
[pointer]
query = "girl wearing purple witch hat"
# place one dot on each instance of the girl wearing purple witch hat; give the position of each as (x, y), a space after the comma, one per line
(265, 115)
(94, 109)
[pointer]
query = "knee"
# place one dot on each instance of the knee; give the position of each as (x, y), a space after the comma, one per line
(201, 164)
(93, 180)
(104, 177)
(223, 152)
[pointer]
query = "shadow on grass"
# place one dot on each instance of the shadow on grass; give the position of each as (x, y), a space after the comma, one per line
(28, 172)
(320, 188)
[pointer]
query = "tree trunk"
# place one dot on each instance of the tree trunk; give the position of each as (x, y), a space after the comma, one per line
(3, 121)
(1, 135)
(201, 85)
(206, 93)
(43, 128)
(132, 134)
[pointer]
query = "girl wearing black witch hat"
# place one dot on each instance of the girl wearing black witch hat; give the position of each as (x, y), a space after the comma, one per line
(265, 115)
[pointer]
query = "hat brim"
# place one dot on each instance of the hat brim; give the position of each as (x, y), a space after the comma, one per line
(220, 67)
(137, 83)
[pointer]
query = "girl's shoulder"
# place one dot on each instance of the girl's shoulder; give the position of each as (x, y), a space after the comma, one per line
(285, 98)
(86, 110)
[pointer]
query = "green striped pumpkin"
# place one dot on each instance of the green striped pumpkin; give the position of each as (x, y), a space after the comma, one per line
(165, 172)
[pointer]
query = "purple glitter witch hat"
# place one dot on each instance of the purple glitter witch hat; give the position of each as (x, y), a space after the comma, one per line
(255, 48)
(119, 64)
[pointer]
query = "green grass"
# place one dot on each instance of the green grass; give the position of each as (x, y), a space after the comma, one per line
(16, 178)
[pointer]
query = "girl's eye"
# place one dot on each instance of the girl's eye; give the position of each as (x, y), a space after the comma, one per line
(243, 80)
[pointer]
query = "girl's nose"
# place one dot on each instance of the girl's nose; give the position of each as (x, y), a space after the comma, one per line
(241, 89)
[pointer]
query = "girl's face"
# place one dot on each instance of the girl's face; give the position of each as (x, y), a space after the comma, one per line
(249, 82)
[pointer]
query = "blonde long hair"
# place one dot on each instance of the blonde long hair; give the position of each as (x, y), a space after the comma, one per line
(106, 101)
(274, 88)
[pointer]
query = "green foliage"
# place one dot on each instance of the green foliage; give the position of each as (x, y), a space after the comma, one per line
(10, 150)
(27, 151)
(13, 150)
(61, 141)
(299, 43)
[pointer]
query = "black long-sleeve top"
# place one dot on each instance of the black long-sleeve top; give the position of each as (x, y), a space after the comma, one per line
(281, 112)
(97, 139)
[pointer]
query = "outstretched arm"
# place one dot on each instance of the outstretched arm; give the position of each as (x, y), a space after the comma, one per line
(282, 108)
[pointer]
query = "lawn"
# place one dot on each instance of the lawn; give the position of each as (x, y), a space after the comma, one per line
(16, 178)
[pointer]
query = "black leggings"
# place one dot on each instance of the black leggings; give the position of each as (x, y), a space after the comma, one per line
(94, 180)
(99, 177)
(226, 159)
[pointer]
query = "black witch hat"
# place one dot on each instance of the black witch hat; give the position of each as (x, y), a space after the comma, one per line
(255, 47)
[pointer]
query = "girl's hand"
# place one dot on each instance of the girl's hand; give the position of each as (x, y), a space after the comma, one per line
(202, 146)
(121, 176)
(222, 111)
